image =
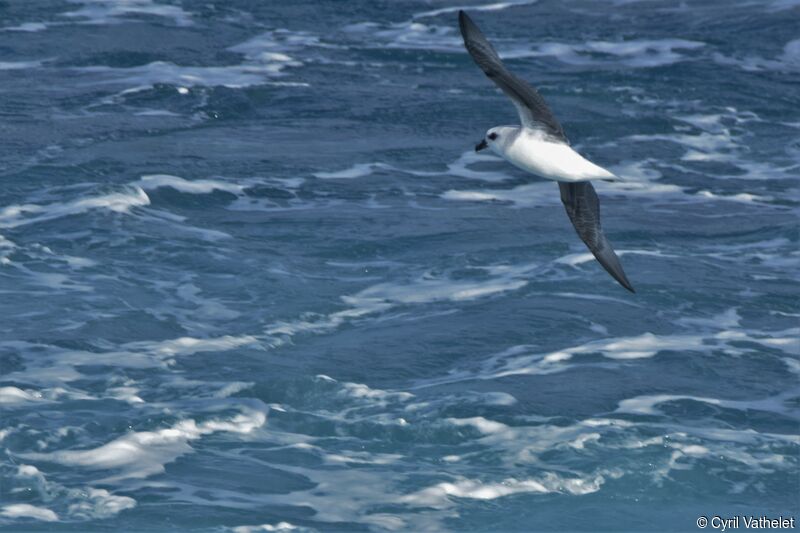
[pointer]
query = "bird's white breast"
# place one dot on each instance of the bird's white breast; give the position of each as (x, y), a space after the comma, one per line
(552, 160)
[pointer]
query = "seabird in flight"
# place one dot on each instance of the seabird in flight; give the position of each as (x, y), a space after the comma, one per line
(540, 146)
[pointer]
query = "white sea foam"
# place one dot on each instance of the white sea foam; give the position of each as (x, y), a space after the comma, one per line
(747, 452)
(146, 76)
(480, 423)
(144, 453)
(202, 186)
(359, 391)
(721, 140)
(496, 6)
(55, 367)
(576, 259)
(787, 61)
(520, 361)
(19, 65)
(497, 398)
(793, 365)
(646, 405)
(265, 55)
(438, 496)
(528, 195)
(14, 395)
(413, 34)
(103, 12)
(43, 253)
(280, 526)
(274, 44)
(639, 180)
(384, 296)
(685, 444)
(81, 503)
(460, 168)
(358, 170)
(715, 141)
(125, 394)
(156, 112)
(722, 332)
(638, 53)
(204, 307)
(321, 323)
(367, 491)
(430, 290)
(25, 510)
(27, 27)
(6, 244)
(408, 35)
(739, 197)
(100, 504)
(189, 345)
(118, 202)
(512, 444)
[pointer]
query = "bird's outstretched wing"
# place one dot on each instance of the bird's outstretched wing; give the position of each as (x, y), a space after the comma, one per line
(583, 209)
(532, 109)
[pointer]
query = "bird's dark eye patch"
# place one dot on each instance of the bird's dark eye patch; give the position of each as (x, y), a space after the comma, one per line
(492, 136)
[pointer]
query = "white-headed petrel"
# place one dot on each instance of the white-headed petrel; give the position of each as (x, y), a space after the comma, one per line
(539, 146)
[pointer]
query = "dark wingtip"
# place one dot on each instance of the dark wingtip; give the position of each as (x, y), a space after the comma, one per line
(627, 285)
(610, 262)
(466, 25)
(615, 269)
(622, 279)
(463, 21)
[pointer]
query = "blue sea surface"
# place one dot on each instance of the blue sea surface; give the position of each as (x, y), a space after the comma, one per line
(254, 277)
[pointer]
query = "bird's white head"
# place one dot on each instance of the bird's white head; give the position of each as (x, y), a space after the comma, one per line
(498, 139)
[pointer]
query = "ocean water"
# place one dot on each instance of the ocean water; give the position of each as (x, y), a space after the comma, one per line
(253, 276)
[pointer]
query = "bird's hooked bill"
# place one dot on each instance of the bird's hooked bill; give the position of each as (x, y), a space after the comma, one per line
(481, 145)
